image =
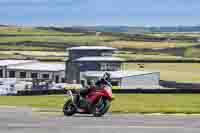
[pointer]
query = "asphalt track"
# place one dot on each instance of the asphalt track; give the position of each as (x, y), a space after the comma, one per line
(24, 120)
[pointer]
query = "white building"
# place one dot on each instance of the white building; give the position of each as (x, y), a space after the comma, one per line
(32, 69)
(4, 64)
(128, 79)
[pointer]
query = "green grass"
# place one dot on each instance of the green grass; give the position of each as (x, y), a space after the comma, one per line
(35, 53)
(41, 58)
(48, 36)
(33, 101)
(45, 36)
(151, 57)
(192, 52)
(24, 52)
(129, 103)
(116, 88)
(57, 39)
(180, 72)
(156, 103)
(26, 48)
(174, 35)
(148, 56)
(150, 45)
(32, 31)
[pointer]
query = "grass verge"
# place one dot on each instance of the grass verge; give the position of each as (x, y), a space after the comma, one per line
(150, 45)
(179, 72)
(129, 103)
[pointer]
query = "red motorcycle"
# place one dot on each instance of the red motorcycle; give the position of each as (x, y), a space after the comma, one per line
(96, 102)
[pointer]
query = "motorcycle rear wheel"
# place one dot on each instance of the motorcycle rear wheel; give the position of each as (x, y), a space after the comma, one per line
(69, 109)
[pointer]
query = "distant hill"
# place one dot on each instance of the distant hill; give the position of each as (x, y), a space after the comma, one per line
(125, 29)
(175, 29)
(65, 29)
(88, 29)
(119, 29)
(133, 30)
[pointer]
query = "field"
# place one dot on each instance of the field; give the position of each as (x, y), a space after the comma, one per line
(49, 45)
(58, 39)
(150, 45)
(150, 57)
(134, 103)
(17, 35)
(180, 72)
(31, 31)
(173, 34)
(35, 53)
(33, 39)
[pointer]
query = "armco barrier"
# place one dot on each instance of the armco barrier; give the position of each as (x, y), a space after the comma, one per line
(40, 92)
(163, 61)
(157, 91)
(172, 84)
(122, 91)
(178, 88)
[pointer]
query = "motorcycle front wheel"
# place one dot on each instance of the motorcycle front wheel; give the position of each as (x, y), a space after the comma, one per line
(99, 110)
(69, 109)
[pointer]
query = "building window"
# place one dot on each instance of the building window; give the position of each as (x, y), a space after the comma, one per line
(63, 80)
(115, 83)
(110, 67)
(45, 76)
(34, 75)
(1, 73)
(57, 79)
(12, 74)
(22, 74)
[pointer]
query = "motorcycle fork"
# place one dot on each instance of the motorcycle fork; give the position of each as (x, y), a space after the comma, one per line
(72, 97)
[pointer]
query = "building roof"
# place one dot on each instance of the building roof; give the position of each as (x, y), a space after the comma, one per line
(116, 74)
(92, 48)
(99, 58)
(39, 66)
(14, 62)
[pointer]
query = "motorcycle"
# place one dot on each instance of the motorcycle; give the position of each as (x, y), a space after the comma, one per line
(96, 102)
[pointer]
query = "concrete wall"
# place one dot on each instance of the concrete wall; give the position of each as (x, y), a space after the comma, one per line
(140, 81)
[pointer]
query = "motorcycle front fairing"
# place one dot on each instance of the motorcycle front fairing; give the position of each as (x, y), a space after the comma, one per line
(94, 96)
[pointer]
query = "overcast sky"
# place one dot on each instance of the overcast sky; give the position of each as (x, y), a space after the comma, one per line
(100, 12)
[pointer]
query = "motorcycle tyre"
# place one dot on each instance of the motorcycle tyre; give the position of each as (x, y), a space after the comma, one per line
(103, 111)
(73, 109)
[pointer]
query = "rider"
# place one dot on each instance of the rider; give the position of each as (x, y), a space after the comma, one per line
(93, 86)
(104, 81)
(86, 89)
